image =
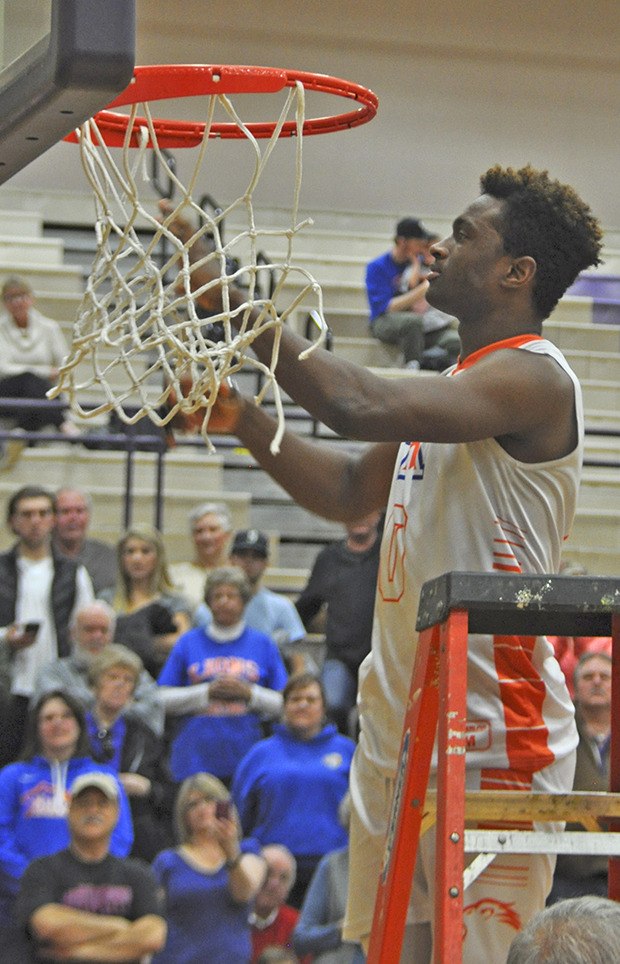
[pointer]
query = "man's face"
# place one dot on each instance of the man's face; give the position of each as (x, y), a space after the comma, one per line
(470, 262)
(92, 816)
(253, 563)
(93, 630)
(362, 529)
(32, 521)
(593, 684)
(72, 516)
(277, 884)
(209, 538)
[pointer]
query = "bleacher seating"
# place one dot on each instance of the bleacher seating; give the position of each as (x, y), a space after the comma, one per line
(335, 250)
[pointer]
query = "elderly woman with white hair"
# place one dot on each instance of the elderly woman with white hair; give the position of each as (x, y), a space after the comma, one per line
(130, 748)
(223, 682)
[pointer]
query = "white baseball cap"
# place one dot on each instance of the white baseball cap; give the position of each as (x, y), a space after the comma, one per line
(100, 781)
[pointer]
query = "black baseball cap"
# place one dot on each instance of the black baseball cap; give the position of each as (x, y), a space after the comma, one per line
(412, 228)
(250, 539)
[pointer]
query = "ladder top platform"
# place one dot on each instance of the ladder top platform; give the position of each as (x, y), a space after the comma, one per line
(507, 603)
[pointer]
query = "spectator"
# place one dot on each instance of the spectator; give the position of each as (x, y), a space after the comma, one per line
(83, 903)
(32, 349)
(225, 680)
(266, 611)
(395, 286)
(210, 526)
(92, 630)
(319, 929)
(129, 747)
(343, 583)
(39, 592)
(582, 930)
(289, 786)
(208, 880)
(579, 874)
(33, 793)
(73, 512)
(272, 919)
(150, 616)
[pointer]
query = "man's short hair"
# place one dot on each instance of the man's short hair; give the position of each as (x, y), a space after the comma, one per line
(412, 228)
(547, 221)
(28, 492)
(572, 931)
(218, 509)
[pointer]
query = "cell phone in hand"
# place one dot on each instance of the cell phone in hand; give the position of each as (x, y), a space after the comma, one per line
(31, 627)
(223, 809)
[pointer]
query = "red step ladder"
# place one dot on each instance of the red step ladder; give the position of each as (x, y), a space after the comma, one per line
(451, 607)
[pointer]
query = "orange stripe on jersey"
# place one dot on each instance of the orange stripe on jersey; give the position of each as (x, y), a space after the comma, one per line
(515, 342)
(522, 693)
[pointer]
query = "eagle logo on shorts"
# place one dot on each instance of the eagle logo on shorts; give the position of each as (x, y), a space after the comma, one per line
(494, 909)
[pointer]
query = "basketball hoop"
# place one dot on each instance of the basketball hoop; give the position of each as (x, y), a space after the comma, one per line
(138, 320)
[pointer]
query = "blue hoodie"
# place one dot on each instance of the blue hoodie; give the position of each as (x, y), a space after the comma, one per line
(34, 798)
(288, 790)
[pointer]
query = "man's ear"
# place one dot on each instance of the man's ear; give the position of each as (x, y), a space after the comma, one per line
(520, 272)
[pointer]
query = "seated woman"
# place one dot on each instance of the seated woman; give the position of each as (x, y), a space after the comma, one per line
(288, 787)
(209, 880)
(224, 680)
(150, 616)
(128, 746)
(32, 349)
(34, 793)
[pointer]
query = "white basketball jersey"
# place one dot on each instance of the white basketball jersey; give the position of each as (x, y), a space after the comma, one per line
(473, 507)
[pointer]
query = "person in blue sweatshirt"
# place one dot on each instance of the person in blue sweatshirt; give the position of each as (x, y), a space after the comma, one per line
(34, 795)
(288, 787)
(224, 682)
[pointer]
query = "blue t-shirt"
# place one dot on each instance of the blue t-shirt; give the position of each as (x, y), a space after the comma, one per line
(216, 740)
(383, 277)
(205, 924)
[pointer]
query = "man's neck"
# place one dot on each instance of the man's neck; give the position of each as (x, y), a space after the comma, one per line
(357, 545)
(596, 720)
(70, 547)
(90, 851)
(34, 553)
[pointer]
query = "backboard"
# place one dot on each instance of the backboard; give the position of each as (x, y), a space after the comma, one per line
(60, 62)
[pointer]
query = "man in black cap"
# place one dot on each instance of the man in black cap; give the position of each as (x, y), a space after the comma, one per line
(83, 903)
(399, 312)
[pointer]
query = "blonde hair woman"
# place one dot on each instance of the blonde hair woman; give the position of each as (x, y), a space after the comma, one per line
(151, 617)
(209, 879)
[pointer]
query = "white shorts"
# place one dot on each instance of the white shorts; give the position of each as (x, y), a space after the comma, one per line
(497, 904)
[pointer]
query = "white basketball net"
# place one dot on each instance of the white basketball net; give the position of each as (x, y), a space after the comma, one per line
(138, 332)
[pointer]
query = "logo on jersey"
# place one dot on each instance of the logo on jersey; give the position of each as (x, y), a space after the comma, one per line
(392, 571)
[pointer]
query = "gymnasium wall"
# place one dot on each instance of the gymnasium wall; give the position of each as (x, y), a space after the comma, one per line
(462, 84)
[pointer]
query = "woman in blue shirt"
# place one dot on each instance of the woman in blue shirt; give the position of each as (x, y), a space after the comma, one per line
(209, 879)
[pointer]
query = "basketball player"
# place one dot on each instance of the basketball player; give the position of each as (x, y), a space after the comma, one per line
(485, 480)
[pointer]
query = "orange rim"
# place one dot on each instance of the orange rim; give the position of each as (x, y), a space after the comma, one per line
(162, 82)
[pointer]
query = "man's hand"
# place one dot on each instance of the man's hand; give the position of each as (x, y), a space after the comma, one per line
(18, 637)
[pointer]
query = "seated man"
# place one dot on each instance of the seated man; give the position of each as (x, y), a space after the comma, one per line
(272, 919)
(399, 312)
(73, 512)
(83, 903)
(92, 629)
